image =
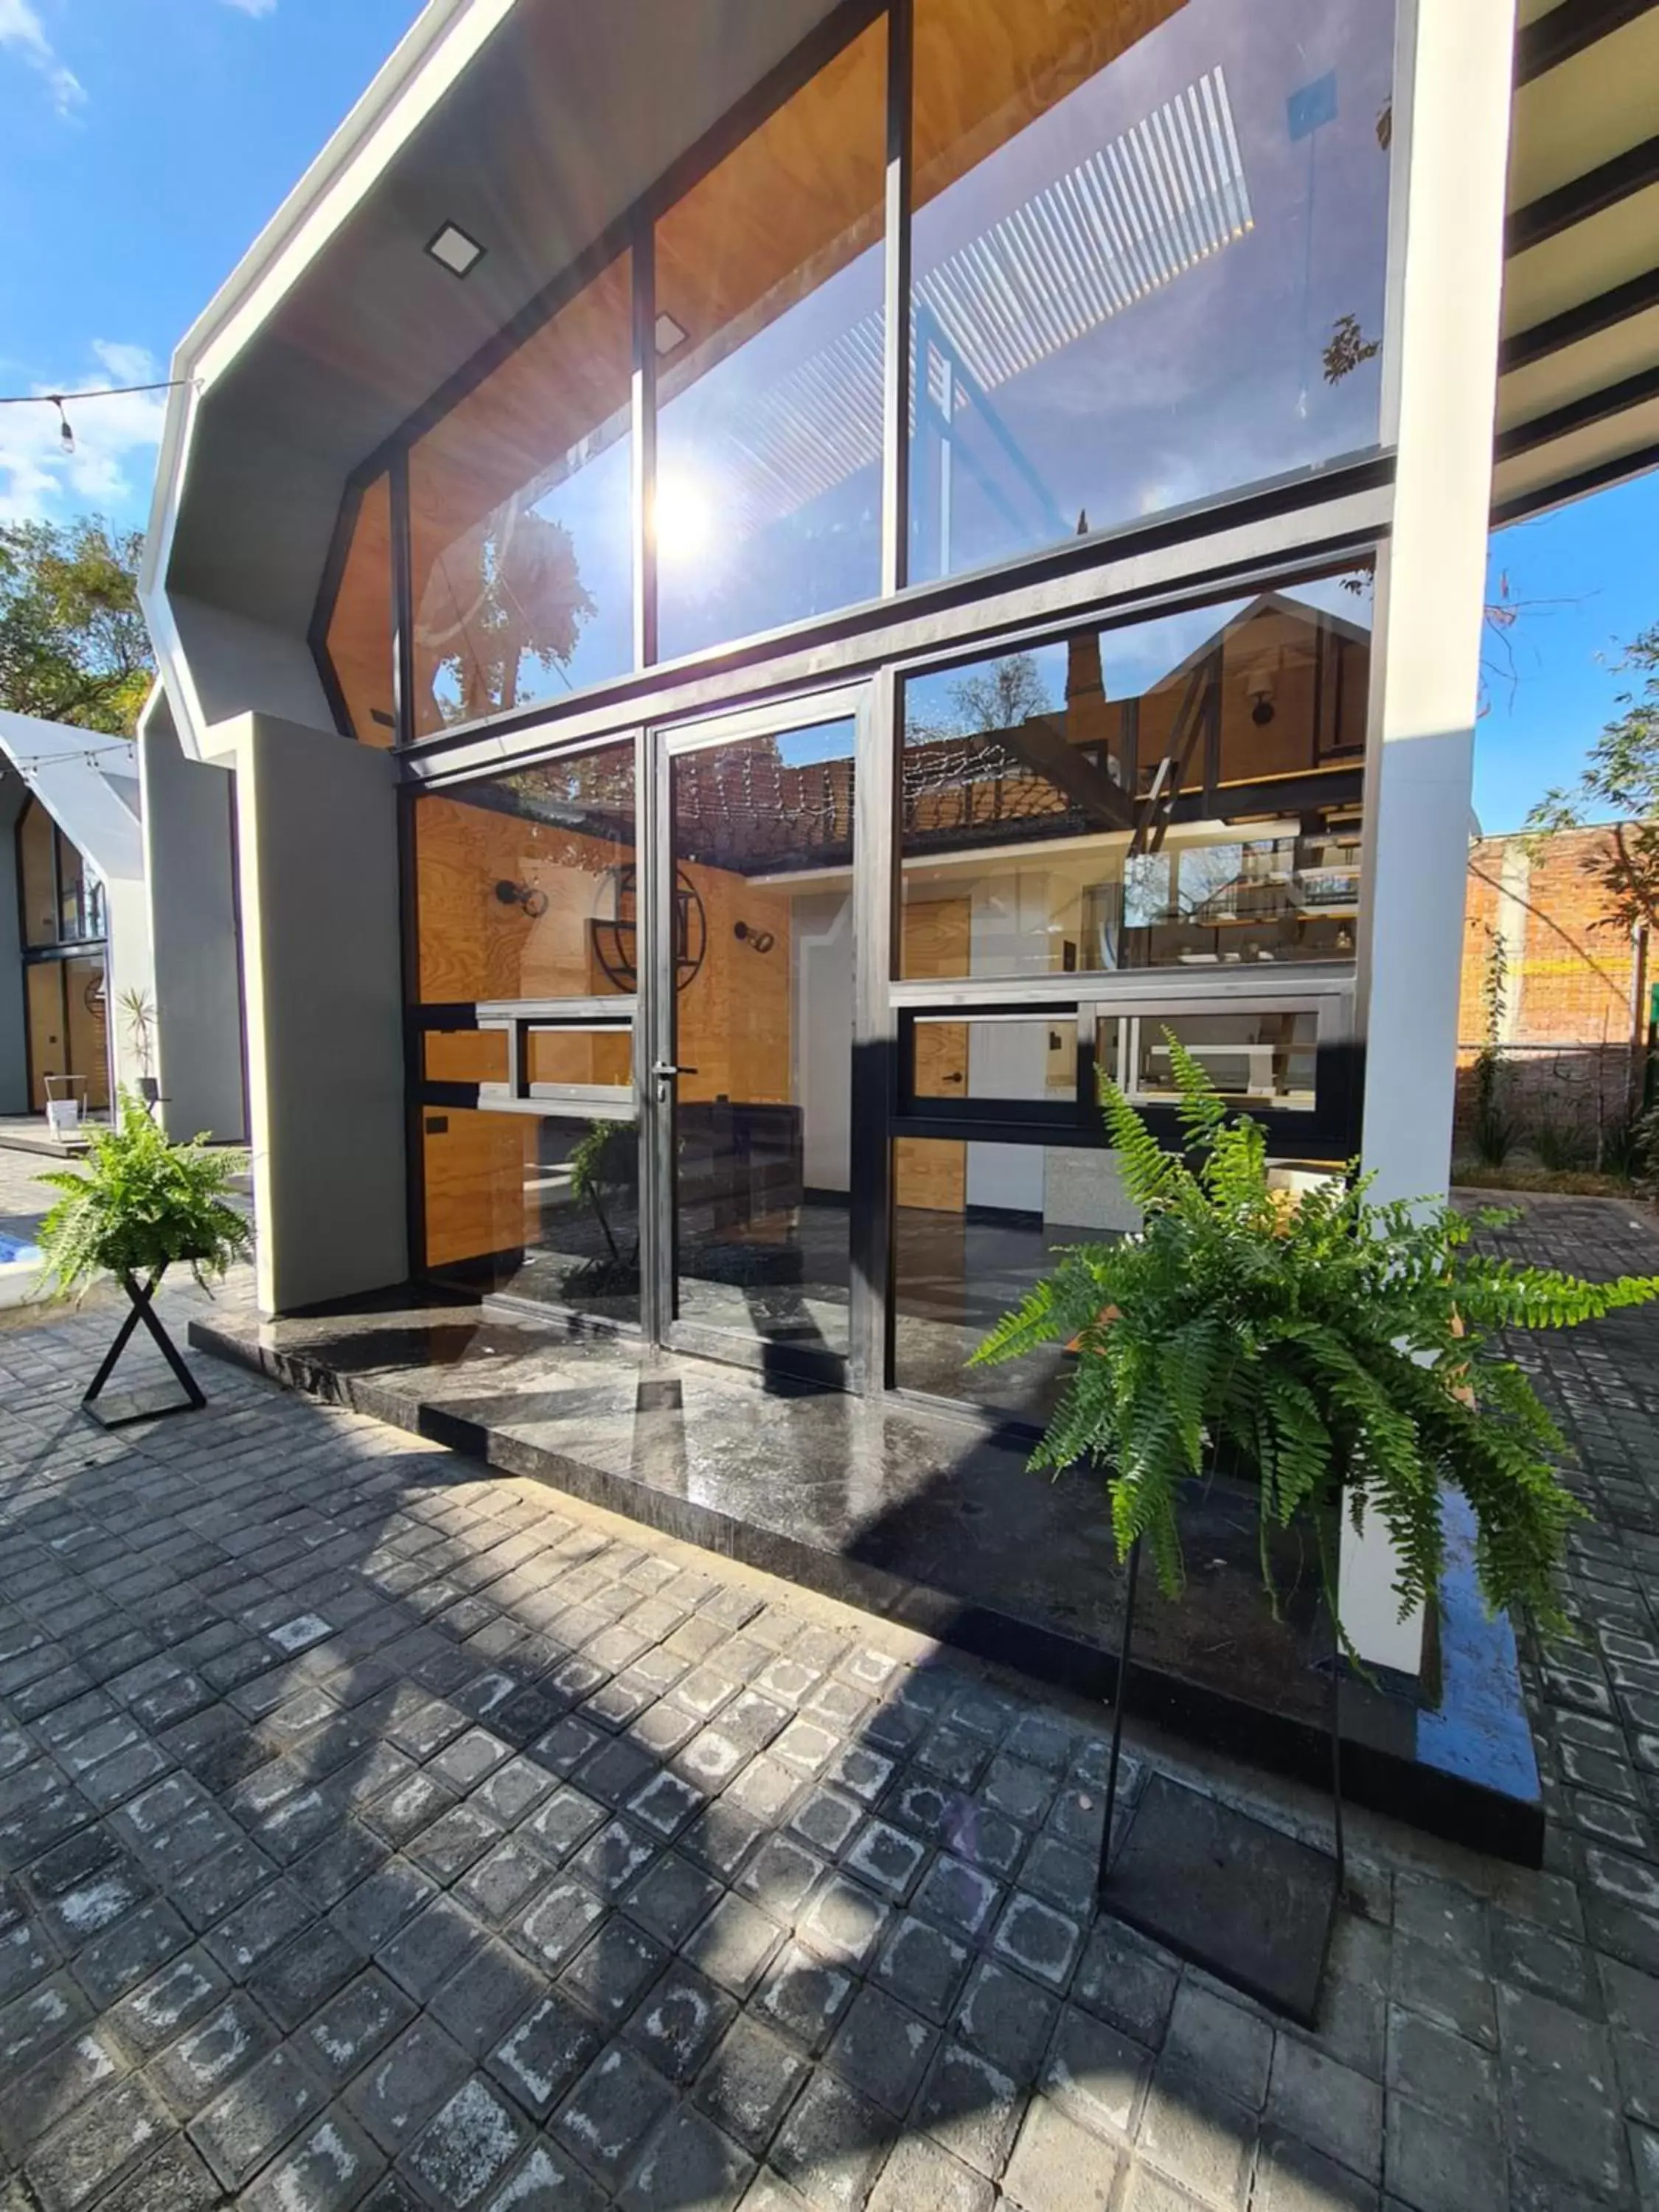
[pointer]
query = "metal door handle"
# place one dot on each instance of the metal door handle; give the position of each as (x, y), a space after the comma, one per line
(664, 1071)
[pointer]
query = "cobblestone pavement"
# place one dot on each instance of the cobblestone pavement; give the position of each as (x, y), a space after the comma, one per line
(375, 1833)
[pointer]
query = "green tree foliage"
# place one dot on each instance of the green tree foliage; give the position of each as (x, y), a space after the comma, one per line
(1619, 785)
(1344, 1352)
(73, 645)
(142, 1203)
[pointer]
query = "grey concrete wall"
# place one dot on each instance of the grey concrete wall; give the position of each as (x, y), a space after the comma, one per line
(190, 883)
(14, 1031)
(317, 844)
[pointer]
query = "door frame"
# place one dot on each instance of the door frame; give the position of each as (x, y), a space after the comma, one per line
(663, 743)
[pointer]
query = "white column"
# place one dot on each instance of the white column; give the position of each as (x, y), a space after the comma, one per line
(317, 847)
(1426, 672)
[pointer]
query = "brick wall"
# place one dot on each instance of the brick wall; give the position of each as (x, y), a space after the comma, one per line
(1564, 1034)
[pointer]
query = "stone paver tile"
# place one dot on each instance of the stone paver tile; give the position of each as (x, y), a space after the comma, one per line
(398, 2091)
(1095, 2074)
(1194, 2135)
(748, 2083)
(324, 2171)
(1228, 2044)
(1433, 2164)
(1121, 1979)
(832, 2145)
(242, 2127)
(172, 2179)
(193, 2070)
(969, 2106)
(112, 2132)
(355, 2023)
(468, 2146)
(883, 2049)
(1290, 2176)
(688, 2162)
(539, 2058)
(1445, 2072)
(544, 2182)
(804, 1996)
(733, 1945)
(1324, 2103)
(680, 2021)
(1056, 2166)
(611, 2111)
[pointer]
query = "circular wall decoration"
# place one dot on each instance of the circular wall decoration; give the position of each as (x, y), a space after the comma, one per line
(616, 935)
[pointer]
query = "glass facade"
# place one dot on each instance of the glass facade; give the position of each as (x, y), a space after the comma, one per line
(1147, 251)
(770, 377)
(975, 1226)
(525, 884)
(1181, 794)
(521, 568)
(534, 1207)
(762, 852)
(1147, 259)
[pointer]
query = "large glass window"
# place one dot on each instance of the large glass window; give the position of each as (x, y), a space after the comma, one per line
(359, 641)
(763, 837)
(770, 375)
(536, 1206)
(975, 1226)
(1148, 254)
(1179, 793)
(520, 521)
(526, 887)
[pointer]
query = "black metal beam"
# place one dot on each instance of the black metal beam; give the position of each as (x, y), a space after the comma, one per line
(1587, 319)
(1581, 197)
(1619, 470)
(1570, 29)
(1578, 415)
(1048, 754)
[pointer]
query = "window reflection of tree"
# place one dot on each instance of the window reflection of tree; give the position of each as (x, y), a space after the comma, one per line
(527, 601)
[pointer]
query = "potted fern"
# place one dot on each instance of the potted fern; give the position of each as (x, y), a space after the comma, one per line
(1341, 1352)
(138, 1205)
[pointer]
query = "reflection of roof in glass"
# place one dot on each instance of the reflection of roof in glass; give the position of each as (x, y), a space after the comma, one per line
(1128, 220)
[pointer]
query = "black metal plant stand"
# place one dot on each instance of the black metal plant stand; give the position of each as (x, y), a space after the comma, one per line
(1248, 1903)
(142, 1405)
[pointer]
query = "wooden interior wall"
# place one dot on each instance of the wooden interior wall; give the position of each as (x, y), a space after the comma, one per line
(563, 393)
(734, 1017)
(937, 938)
(985, 71)
(798, 201)
(477, 1167)
(88, 1033)
(360, 629)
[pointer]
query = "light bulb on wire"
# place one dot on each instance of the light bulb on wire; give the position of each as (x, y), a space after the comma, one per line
(65, 434)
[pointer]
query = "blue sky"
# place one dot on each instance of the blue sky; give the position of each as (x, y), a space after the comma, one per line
(146, 141)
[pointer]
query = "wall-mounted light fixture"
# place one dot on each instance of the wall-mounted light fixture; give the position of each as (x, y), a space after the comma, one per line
(1262, 706)
(533, 902)
(670, 334)
(762, 939)
(454, 250)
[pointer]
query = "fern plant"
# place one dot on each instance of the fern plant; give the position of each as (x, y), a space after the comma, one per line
(140, 1204)
(1339, 1350)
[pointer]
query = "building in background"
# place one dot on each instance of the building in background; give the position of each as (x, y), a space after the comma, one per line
(773, 614)
(116, 894)
(1562, 995)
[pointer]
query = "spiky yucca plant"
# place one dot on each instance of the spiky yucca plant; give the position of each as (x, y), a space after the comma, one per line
(141, 1203)
(1337, 1349)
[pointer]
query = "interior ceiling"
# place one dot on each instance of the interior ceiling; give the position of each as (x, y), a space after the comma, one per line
(1578, 391)
(552, 134)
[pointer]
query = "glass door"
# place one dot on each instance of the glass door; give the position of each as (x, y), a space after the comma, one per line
(749, 1088)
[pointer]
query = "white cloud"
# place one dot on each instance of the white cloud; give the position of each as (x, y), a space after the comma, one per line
(115, 441)
(21, 29)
